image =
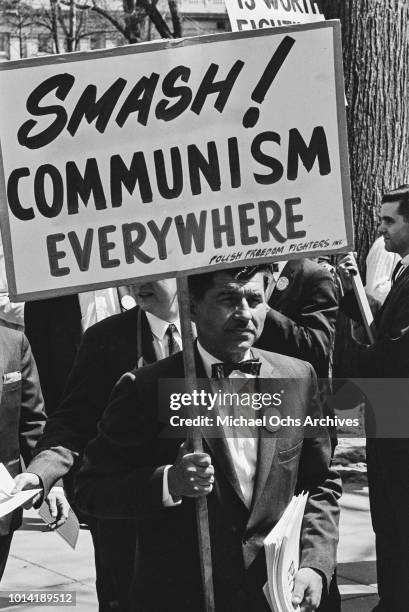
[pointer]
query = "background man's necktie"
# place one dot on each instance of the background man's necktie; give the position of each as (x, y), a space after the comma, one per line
(173, 346)
(396, 271)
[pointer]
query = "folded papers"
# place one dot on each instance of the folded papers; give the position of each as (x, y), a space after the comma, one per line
(68, 531)
(282, 548)
(9, 502)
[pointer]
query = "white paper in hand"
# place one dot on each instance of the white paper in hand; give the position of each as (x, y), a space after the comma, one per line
(9, 502)
(282, 548)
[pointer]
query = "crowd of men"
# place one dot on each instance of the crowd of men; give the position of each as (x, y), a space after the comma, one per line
(135, 486)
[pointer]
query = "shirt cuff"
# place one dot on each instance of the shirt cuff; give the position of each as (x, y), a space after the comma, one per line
(167, 499)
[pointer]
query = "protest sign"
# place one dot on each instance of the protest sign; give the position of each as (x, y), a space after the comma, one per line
(162, 158)
(254, 14)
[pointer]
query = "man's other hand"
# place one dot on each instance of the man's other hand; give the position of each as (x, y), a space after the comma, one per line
(347, 268)
(192, 474)
(307, 589)
(58, 506)
(25, 481)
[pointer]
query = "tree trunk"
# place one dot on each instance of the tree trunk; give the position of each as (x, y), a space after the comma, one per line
(175, 16)
(21, 35)
(132, 18)
(375, 37)
(54, 24)
(72, 26)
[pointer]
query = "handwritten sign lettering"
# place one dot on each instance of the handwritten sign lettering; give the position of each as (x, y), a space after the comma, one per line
(164, 158)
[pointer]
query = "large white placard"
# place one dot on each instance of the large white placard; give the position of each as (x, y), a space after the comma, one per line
(162, 158)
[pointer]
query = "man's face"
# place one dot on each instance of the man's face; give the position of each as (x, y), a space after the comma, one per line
(230, 316)
(394, 229)
(158, 298)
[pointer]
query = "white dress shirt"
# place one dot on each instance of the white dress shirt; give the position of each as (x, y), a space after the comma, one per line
(380, 264)
(98, 305)
(243, 451)
(405, 264)
(160, 339)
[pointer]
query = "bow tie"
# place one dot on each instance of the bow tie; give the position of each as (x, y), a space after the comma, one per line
(223, 370)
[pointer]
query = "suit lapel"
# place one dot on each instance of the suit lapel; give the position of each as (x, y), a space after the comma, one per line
(266, 445)
(392, 293)
(277, 296)
(148, 350)
(222, 458)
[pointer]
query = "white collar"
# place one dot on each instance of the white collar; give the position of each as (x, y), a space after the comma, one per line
(405, 260)
(209, 360)
(281, 266)
(159, 326)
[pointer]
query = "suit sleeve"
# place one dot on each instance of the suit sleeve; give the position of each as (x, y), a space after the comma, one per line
(73, 424)
(118, 478)
(319, 534)
(311, 336)
(389, 355)
(32, 415)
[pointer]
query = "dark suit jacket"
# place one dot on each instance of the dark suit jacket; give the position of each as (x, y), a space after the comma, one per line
(108, 349)
(301, 319)
(53, 328)
(22, 416)
(389, 356)
(122, 476)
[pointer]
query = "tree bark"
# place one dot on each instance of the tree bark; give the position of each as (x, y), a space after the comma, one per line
(375, 37)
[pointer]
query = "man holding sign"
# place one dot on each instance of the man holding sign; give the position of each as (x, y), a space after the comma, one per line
(388, 356)
(133, 469)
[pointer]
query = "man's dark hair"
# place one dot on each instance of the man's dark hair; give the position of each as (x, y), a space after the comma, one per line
(401, 195)
(200, 283)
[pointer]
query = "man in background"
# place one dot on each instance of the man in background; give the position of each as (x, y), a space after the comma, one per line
(388, 356)
(54, 327)
(142, 335)
(302, 315)
(22, 421)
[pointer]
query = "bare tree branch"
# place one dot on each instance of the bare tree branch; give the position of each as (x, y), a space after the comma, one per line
(80, 24)
(61, 20)
(176, 22)
(109, 17)
(157, 19)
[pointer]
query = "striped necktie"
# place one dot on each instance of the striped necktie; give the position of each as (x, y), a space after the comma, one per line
(397, 271)
(173, 346)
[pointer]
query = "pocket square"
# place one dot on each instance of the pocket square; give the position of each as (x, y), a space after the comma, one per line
(11, 377)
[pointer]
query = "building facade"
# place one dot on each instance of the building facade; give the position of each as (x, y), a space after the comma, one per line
(26, 28)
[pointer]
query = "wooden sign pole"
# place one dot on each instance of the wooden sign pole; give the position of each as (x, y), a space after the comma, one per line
(201, 503)
(364, 307)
